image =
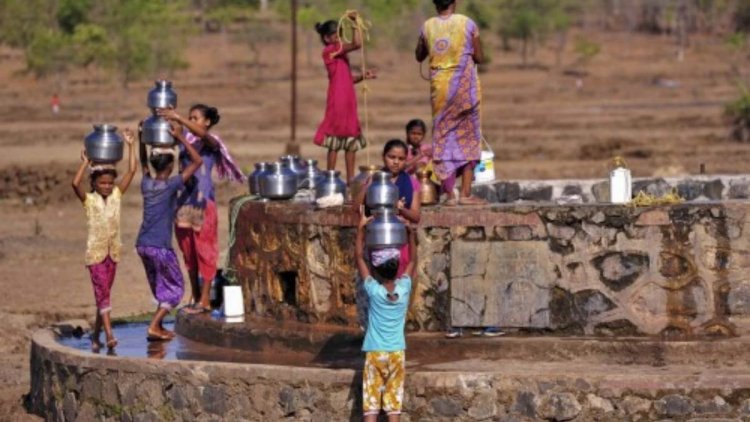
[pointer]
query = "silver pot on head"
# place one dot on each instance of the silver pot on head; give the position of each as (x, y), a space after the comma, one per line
(161, 96)
(381, 193)
(104, 145)
(385, 230)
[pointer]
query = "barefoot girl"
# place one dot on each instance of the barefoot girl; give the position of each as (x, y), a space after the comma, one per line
(154, 244)
(385, 345)
(103, 246)
(197, 221)
(340, 129)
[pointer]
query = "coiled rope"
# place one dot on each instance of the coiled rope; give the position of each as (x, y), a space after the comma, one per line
(361, 26)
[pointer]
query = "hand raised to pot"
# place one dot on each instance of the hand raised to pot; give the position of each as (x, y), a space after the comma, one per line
(168, 113)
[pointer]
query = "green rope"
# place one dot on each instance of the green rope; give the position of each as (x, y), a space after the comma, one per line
(229, 271)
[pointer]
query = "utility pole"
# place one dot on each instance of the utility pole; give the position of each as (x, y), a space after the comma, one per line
(292, 147)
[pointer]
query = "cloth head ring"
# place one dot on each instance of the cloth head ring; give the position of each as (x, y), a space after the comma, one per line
(381, 256)
(101, 167)
(162, 151)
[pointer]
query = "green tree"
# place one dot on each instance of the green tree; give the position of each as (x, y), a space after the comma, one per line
(48, 53)
(71, 13)
(146, 37)
(530, 22)
(22, 20)
(91, 45)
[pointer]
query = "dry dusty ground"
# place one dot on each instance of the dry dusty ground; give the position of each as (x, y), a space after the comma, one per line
(538, 123)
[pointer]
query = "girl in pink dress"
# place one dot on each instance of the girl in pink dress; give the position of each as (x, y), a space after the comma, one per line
(340, 129)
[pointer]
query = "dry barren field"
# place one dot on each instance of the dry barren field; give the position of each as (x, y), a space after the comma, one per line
(663, 116)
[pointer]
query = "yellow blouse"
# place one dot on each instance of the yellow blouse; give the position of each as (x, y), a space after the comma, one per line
(103, 220)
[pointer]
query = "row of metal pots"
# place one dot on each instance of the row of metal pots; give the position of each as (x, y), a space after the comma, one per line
(282, 179)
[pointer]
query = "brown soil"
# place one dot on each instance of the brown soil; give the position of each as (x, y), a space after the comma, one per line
(538, 123)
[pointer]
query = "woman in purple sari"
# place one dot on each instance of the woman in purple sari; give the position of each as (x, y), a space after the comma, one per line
(451, 42)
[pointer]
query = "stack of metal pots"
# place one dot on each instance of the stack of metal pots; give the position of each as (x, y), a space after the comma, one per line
(385, 230)
(104, 145)
(156, 130)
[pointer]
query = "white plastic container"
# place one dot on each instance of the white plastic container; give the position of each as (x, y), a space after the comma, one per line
(485, 169)
(234, 302)
(620, 186)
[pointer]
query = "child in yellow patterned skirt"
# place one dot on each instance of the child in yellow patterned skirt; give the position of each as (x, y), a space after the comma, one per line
(385, 361)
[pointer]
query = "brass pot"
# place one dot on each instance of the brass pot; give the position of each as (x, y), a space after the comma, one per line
(358, 183)
(427, 189)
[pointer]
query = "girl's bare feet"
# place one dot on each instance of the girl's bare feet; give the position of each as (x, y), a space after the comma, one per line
(157, 335)
(472, 200)
(96, 345)
(111, 343)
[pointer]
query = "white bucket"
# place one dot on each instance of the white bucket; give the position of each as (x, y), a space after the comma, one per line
(234, 302)
(485, 169)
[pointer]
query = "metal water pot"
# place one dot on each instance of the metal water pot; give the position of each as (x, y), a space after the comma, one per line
(358, 183)
(104, 145)
(382, 193)
(330, 184)
(427, 189)
(294, 164)
(162, 95)
(312, 175)
(279, 183)
(253, 180)
(156, 132)
(385, 230)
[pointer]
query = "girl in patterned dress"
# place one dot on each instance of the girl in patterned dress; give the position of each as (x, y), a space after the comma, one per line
(103, 245)
(385, 344)
(451, 42)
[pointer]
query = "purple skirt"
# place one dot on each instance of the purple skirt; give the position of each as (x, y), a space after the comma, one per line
(164, 275)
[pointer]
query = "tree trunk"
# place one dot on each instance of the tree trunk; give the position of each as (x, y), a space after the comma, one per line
(524, 51)
(263, 5)
(562, 41)
(682, 35)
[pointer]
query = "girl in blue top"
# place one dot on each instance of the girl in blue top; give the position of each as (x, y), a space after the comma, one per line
(154, 243)
(385, 345)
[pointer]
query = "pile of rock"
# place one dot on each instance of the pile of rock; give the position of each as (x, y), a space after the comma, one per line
(35, 184)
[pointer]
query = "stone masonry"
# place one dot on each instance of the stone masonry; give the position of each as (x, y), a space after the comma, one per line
(590, 269)
(69, 385)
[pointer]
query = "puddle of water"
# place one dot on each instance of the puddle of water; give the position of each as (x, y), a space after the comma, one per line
(133, 344)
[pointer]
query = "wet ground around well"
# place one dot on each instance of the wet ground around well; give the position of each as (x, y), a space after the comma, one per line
(133, 344)
(260, 341)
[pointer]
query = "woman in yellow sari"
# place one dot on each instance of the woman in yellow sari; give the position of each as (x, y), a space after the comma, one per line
(451, 42)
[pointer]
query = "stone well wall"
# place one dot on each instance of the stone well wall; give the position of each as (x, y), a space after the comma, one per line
(69, 385)
(693, 188)
(583, 269)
